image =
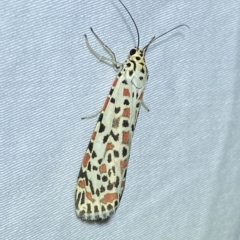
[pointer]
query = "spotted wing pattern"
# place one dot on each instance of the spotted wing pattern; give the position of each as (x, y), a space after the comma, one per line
(102, 176)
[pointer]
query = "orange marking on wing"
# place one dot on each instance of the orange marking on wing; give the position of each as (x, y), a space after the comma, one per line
(89, 197)
(126, 112)
(124, 163)
(86, 159)
(106, 103)
(115, 82)
(103, 168)
(141, 96)
(109, 197)
(82, 184)
(109, 146)
(126, 92)
(125, 137)
(94, 135)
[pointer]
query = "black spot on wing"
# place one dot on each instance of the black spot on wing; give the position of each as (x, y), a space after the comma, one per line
(125, 123)
(111, 91)
(109, 157)
(94, 154)
(96, 209)
(82, 174)
(83, 198)
(105, 138)
(104, 178)
(126, 102)
(89, 208)
(117, 110)
(89, 167)
(100, 117)
(91, 187)
(109, 186)
(124, 151)
(102, 189)
(101, 128)
(112, 100)
(116, 153)
(90, 146)
(97, 192)
(117, 182)
(125, 174)
(115, 137)
(109, 207)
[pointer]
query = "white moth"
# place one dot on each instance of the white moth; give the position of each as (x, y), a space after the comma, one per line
(102, 176)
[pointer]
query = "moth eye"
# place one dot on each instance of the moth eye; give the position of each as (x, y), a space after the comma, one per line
(133, 51)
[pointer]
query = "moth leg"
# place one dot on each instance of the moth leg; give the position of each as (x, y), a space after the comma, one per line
(106, 48)
(92, 115)
(116, 65)
(145, 106)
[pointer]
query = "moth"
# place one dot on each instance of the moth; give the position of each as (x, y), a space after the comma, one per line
(102, 176)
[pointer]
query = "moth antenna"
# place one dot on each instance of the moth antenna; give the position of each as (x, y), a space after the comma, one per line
(155, 38)
(133, 22)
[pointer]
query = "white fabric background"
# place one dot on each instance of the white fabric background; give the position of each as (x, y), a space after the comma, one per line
(183, 179)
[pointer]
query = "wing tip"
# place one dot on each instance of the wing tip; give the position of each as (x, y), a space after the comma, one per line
(100, 216)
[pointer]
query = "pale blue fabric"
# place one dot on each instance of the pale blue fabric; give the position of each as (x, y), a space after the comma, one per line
(184, 173)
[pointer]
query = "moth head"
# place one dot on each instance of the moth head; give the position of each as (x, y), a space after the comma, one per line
(136, 52)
